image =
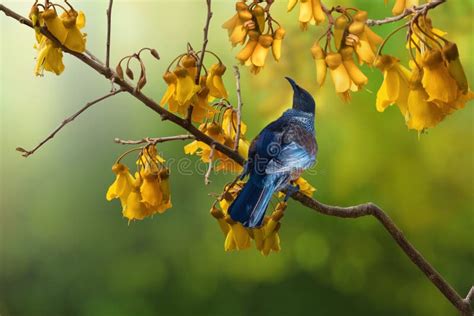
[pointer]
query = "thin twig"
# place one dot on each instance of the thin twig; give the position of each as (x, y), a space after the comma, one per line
(351, 212)
(239, 107)
(200, 61)
(209, 169)
(26, 153)
(109, 30)
(469, 296)
(153, 140)
(408, 11)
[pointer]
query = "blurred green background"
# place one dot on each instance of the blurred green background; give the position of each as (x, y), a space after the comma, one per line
(65, 250)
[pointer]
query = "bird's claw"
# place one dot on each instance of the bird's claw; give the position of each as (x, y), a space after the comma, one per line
(290, 190)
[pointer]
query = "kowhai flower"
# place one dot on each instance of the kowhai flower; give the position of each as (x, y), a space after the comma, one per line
(311, 12)
(238, 237)
(257, 33)
(394, 88)
(146, 193)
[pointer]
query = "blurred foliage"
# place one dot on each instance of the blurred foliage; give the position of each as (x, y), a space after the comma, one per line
(64, 250)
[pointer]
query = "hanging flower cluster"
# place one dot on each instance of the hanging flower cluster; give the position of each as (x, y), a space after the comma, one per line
(311, 12)
(265, 237)
(254, 27)
(145, 193)
(222, 128)
(186, 88)
(436, 85)
(65, 28)
(351, 37)
(238, 237)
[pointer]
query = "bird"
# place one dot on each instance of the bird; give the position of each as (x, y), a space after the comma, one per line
(277, 156)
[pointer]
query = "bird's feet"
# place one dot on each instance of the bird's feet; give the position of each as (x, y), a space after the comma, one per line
(290, 190)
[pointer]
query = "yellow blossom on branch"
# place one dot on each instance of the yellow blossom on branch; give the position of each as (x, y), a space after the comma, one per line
(238, 237)
(146, 193)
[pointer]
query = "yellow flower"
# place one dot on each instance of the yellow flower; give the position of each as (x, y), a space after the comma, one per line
(73, 21)
(50, 57)
(311, 12)
(229, 124)
(220, 217)
(200, 102)
(171, 80)
(394, 88)
(185, 87)
(357, 76)
(259, 14)
(320, 63)
(238, 236)
(122, 185)
(339, 74)
(235, 25)
(216, 132)
(261, 50)
(437, 81)
(189, 63)
(151, 189)
(339, 28)
(55, 25)
(278, 36)
(305, 187)
(244, 55)
(154, 189)
(450, 52)
(366, 46)
(215, 83)
(135, 208)
(421, 114)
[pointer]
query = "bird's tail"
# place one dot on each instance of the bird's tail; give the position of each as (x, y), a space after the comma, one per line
(250, 205)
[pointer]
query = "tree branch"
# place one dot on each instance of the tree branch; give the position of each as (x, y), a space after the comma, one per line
(109, 30)
(239, 108)
(209, 169)
(345, 212)
(408, 11)
(203, 52)
(153, 140)
(26, 153)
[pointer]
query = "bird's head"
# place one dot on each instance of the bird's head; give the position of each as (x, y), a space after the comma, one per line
(302, 100)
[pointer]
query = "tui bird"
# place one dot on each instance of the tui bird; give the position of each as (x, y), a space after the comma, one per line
(277, 156)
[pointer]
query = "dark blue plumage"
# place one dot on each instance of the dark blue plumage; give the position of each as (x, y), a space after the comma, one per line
(277, 156)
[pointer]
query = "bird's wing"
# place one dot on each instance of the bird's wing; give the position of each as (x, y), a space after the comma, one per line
(297, 151)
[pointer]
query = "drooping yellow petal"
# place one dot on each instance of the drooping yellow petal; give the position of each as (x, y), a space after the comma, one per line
(276, 45)
(122, 186)
(261, 50)
(339, 75)
(437, 81)
(306, 11)
(150, 190)
(356, 75)
(214, 81)
(55, 25)
(318, 14)
(185, 87)
(247, 51)
(422, 113)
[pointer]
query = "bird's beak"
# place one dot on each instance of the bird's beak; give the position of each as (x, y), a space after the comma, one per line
(293, 84)
(296, 88)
